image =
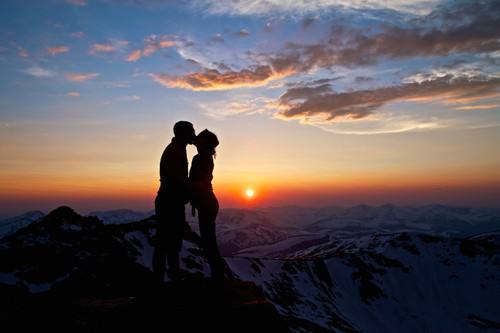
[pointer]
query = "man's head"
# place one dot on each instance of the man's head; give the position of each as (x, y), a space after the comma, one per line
(184, 132)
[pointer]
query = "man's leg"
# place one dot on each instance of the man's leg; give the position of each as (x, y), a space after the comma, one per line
(160, 252)
(175, 235)
(173, 260)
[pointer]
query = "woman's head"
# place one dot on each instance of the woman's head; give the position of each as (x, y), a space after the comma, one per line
(206, 141)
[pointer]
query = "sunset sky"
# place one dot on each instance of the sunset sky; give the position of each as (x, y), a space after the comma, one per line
(315, 103)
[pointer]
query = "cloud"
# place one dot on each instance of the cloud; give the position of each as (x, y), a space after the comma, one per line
(153, 44)
(217, 38)
(102, 48)
(472, 98)
(308, 22)
(132, 98)
(470, 70)
(321, 102)
(385, 123)
(435, 35)
(73, 94)
(134, 56)
(478, 107)
(237, 105)
(77, 2)
(78, 34)
(39, 72)
(108, 48)
(440, 33)
(304, 7)
(192, 62)
(213, 79)
(301, 84)
(224, 77)
(363, 79)
(57, 49)
(81, 77)
(23, 52)
(146, 3)
(243, 33)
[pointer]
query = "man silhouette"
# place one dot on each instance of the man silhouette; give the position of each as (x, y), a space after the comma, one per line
(170, 201)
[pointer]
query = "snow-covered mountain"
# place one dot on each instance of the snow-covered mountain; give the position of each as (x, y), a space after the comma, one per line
(119, 216)
(403, 282)
(433, 218)
(279, 232)
(318, 280)
(12, 224)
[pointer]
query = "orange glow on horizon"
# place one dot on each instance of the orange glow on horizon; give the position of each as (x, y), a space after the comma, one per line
(89, 190)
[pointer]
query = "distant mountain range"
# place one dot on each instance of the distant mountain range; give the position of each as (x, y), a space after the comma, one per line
(240, 229)
(361, 269)
(119, 216)
(12, 224)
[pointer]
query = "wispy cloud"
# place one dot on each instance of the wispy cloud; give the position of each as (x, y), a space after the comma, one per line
(114, 46)
(213, 79)
(305, 7)
(243, 33)
(478, 107)
(81, 77)
(473, 98)
(476, 33)
(153, 44)
(237, 105)
(77, 2)
(438, 34)
(131, 98)
(78, 34)
(102, 48)
(37, 71)
(73, 94)
(57, 49)
(134, 56)
(320, 101)
(384, 123)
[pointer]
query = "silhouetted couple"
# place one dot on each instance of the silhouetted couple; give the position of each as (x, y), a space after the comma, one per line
(177, 188)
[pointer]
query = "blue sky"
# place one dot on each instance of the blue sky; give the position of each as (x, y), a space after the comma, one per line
(90, 89)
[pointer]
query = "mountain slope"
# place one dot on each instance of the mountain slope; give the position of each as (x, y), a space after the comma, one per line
(387, 283)
(72, 272)
(322, 281)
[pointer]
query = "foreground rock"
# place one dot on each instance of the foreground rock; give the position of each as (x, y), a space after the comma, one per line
(75, 273)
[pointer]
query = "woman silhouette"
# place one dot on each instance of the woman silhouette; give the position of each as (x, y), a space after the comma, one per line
(204, 200)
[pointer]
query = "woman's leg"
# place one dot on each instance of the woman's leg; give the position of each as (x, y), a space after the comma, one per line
(207, 216)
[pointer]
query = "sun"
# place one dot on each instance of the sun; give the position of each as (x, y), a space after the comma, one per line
(249, 193)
